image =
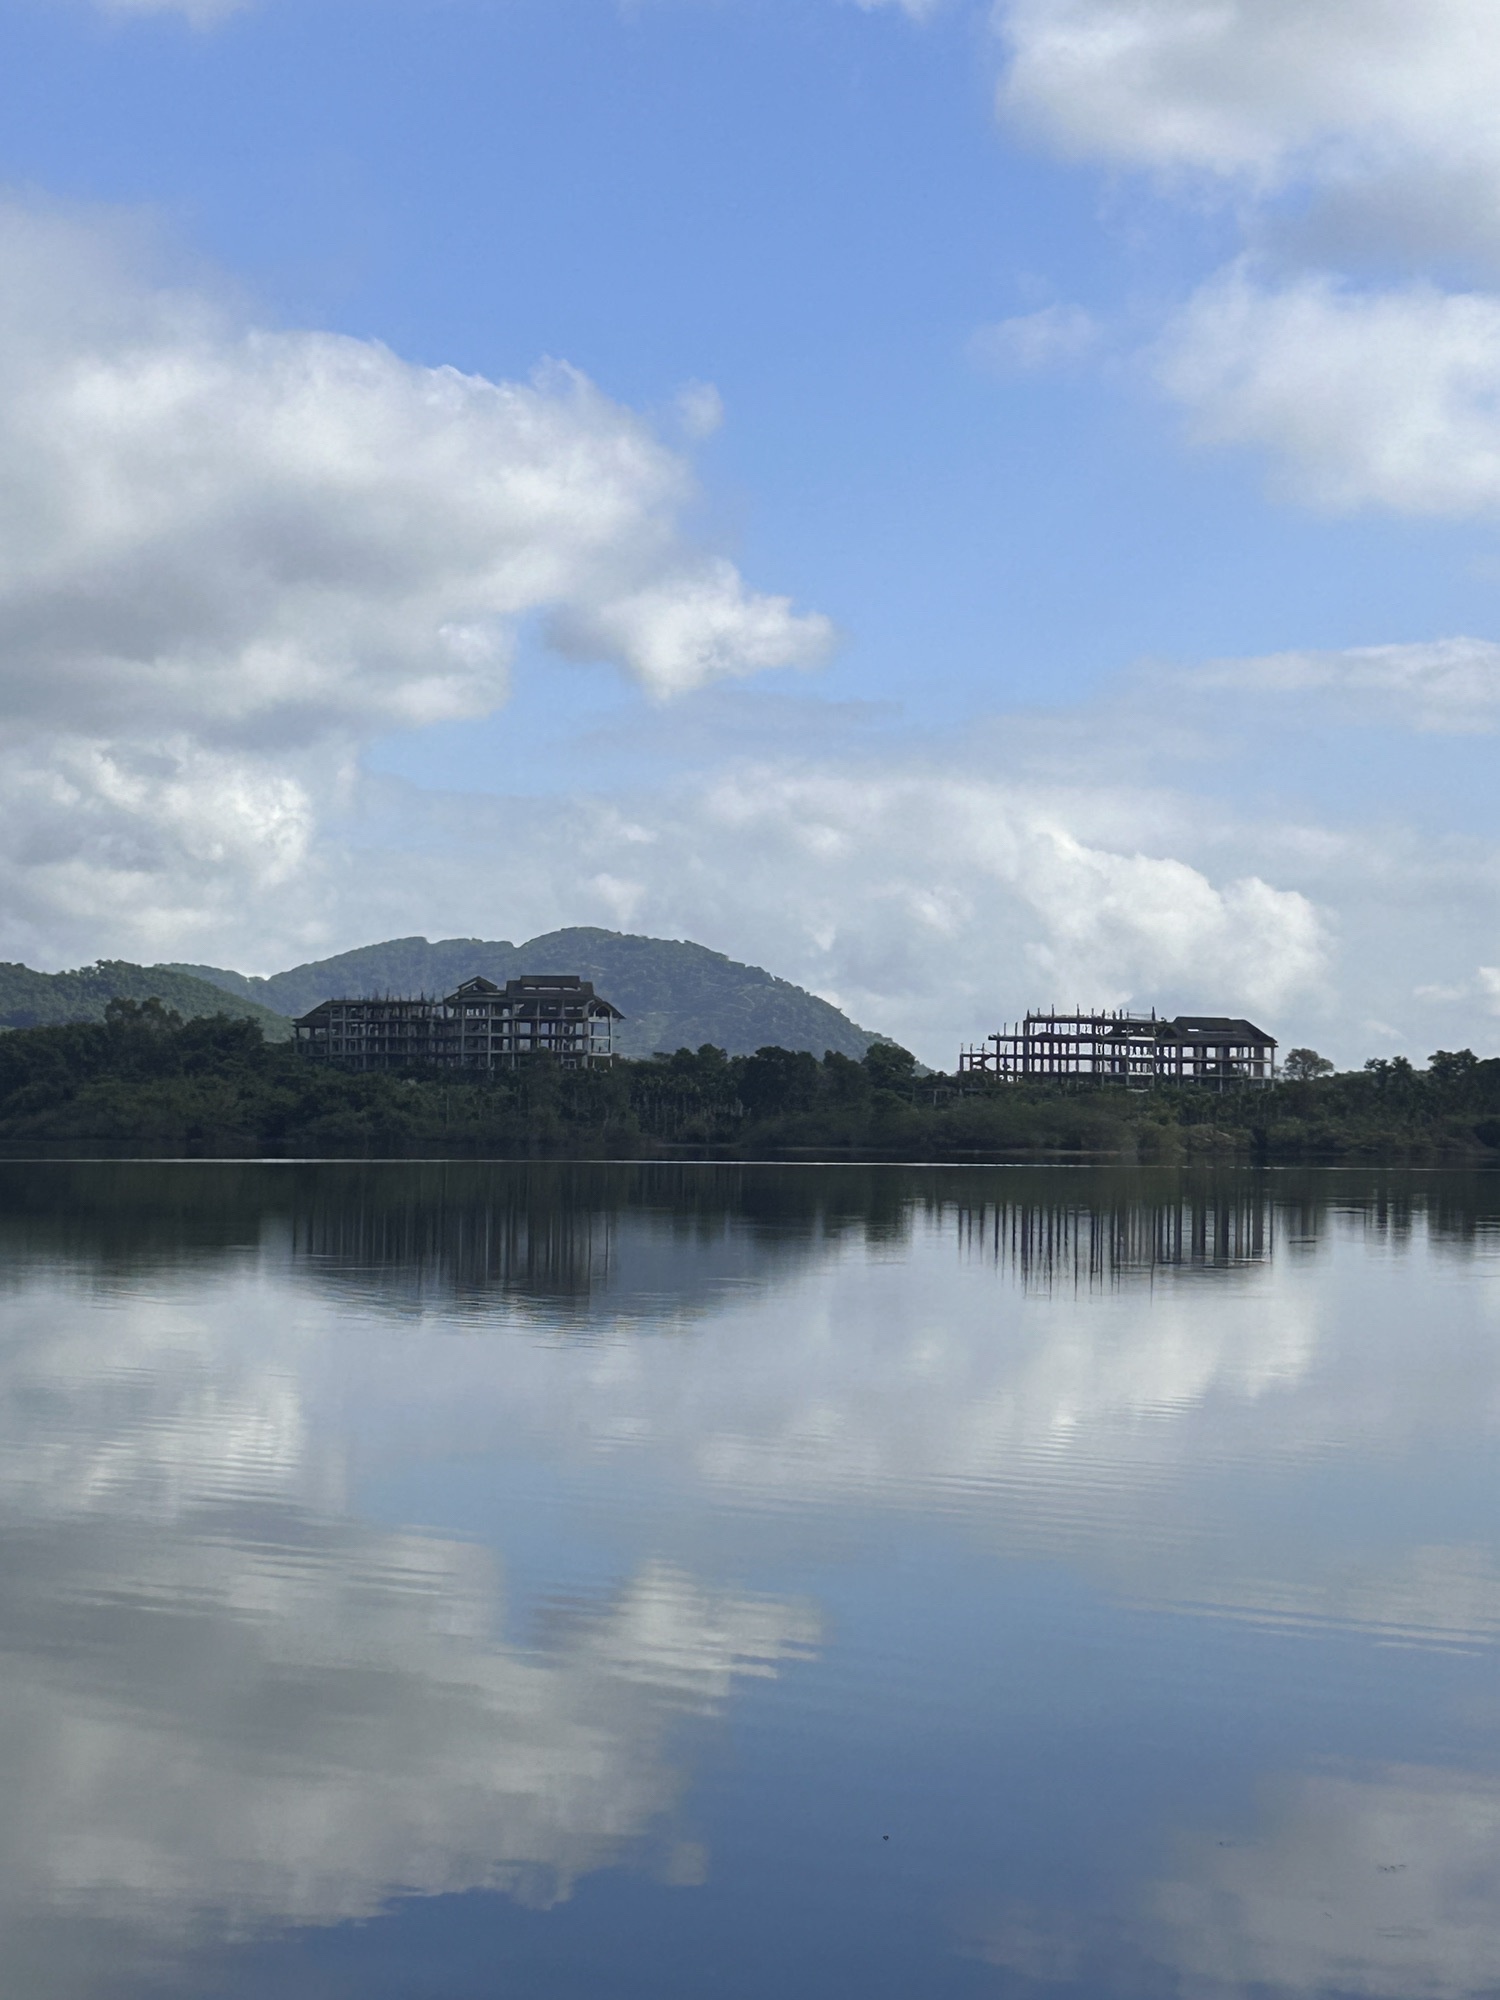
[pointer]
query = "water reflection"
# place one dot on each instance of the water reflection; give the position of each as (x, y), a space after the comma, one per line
(228, 1703)
(560, 1240)
(266, 1662)
(561, 1236)
(1217, 1224)
(1383, 1882)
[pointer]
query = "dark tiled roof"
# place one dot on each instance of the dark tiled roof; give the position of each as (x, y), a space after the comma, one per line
(527, 992)
(1218, 1028)
(532, 987)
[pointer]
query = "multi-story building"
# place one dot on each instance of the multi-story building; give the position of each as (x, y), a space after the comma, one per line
(1134, 1049)
(480, 1026)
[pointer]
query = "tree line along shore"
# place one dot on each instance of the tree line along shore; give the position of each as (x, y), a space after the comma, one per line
(143, 1078)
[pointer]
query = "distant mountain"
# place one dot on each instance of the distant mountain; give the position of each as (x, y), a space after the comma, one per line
(673, 995)
(48, 999)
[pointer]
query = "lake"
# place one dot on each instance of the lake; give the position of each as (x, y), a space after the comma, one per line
(655, 1582)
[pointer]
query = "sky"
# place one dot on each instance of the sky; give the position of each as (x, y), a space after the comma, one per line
(969, 507)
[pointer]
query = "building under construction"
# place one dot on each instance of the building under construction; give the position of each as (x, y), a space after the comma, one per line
(481, 1026)
(1137, 1050)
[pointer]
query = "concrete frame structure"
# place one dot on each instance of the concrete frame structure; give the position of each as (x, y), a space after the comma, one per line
(478, 1026)
(1136, 1050)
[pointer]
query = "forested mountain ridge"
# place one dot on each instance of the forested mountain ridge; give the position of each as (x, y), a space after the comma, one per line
(673, 995)
(31, 999)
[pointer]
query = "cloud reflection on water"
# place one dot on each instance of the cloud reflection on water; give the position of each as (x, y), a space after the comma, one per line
(1381, 1882)
(229, 1703)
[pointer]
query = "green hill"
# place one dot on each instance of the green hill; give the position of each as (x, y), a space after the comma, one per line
(673, 995)
(48, 999)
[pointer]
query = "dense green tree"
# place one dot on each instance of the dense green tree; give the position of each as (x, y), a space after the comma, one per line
(775, 1082)
(1302, 1065)
(846, 1083)
(890, 1067)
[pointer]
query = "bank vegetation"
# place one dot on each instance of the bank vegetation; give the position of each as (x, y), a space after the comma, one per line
(144, 1079)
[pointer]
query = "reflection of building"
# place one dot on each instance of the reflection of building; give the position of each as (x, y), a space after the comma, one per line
(1226, 1226)
(457, 1236)
(481, 1026)
(1137, 1050)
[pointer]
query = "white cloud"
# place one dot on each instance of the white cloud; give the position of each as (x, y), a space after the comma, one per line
(1450, 685)
(680, 633)
(1053, 337)
(265, 533)
(1388, 399)
(229, 555)
(1257, 89)
(926, 901)
(1376, 118)
(930, 894)
(908, 867)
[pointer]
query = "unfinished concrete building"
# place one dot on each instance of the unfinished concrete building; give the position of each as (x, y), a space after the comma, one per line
(1137, 1050)
(480, 1026)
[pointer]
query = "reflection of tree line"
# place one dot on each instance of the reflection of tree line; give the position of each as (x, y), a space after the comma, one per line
(554, 1233)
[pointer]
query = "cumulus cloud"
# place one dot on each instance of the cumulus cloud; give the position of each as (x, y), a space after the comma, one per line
(1257, 89)
(924, 900)
(678, 634)
(1172, 843)
(930, 894)
(267, 533)
(1375, 117)
(907, 864)
(229, 555)
(1385, 399)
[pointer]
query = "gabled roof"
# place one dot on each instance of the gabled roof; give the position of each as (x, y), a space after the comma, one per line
(366, 1000)
(526, 993)
(1219, 1028)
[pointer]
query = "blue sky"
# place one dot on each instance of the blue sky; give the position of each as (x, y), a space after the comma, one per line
(1032, 470)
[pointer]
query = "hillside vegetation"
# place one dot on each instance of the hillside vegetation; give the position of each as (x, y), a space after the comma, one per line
(145, 1079)
(673, 995)
(44, 999)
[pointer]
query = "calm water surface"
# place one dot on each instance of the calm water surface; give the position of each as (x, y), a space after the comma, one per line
(670, 1582)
